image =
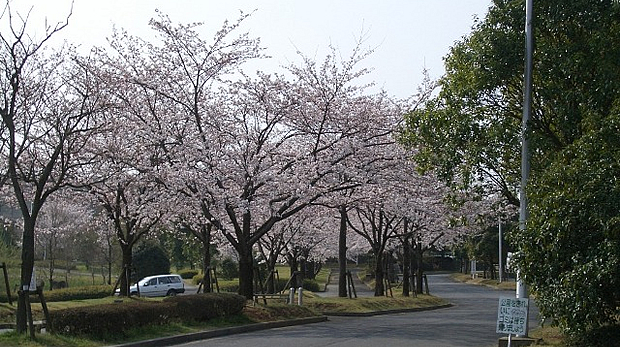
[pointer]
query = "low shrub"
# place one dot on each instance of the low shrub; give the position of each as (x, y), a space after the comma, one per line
(100, 321)
(311, 285)
(202, 307)
(229, 286)
(197, 278)
(4, 298)
(188, 274)
(308, 284)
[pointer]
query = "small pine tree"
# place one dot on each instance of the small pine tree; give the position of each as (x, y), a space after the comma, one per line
(229, 269)
(150, 260)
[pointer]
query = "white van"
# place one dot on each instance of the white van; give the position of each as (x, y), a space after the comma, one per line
(159, 285)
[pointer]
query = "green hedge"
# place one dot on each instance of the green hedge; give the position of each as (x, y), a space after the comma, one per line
(197, 278)
(228, 286)
(202, 307)
(4, 298)
(66, 294)
(76, 293)
(100, 321)
(311, 285)
(232, 286)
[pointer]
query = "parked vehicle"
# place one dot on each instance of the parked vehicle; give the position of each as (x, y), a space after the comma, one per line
(159, 285)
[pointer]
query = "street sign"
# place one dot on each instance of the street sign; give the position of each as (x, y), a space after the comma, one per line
(512, 316)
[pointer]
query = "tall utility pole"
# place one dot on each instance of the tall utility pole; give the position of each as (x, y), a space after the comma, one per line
(525, 132)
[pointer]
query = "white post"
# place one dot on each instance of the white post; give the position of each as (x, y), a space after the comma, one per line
(473, 269)
(501, 259)
(300, 295)
(291, 296)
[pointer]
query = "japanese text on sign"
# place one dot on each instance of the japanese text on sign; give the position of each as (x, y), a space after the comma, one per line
(512, 316)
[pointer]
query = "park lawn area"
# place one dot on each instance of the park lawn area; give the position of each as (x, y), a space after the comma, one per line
(366, 305)
(550, 336)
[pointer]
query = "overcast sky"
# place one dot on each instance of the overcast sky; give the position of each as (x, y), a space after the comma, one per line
(408, 34)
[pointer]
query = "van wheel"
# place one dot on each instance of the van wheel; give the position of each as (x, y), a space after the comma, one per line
(171, 292)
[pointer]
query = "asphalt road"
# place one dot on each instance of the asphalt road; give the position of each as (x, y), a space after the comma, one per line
(470, 322)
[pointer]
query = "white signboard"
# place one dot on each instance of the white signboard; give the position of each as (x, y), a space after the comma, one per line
(512, 316)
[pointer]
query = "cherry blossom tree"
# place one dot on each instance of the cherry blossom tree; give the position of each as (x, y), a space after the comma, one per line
(131, 170)
(295, 142)
(399, 204)
(131, 190)
(249, 149)
(50, 109)
(177, 76)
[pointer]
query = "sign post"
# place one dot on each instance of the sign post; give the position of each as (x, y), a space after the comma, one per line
(512, 316)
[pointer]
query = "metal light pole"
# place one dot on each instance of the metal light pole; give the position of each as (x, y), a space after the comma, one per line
(525, 133)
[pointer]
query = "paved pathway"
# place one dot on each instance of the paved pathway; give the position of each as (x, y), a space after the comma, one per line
(469, 323)
(331, 290)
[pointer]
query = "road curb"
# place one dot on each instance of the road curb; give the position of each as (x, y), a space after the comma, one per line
(377, 313)
(185, 338)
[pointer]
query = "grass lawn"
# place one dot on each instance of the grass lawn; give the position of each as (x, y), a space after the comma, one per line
(466, 278)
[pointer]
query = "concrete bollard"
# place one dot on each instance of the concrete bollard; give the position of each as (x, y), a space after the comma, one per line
(291, 296)
(300, 295)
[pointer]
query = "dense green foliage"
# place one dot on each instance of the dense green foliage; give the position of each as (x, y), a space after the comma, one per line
(571, 249)
(469, 135)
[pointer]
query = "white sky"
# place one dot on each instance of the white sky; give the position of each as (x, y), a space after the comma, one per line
(408, 34)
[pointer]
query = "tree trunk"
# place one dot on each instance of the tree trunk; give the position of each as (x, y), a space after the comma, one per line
(419, 272)
(26, 272)
(379, 274)
(125, 280)
(246, 272)
(206, 268)
(205, 239)
(406, 266)
(292, 263)
(342, 253)
(271, 284)
(51, 268)
(109, 262)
